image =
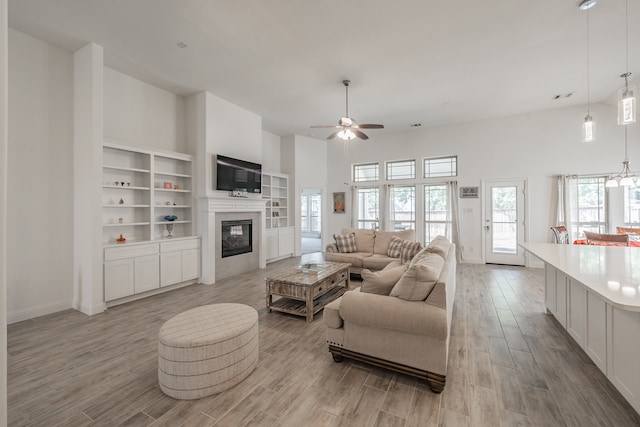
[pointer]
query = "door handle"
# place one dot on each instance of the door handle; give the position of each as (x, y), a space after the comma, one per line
(486, 227)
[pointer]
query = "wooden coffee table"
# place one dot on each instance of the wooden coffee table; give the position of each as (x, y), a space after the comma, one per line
(305, 292)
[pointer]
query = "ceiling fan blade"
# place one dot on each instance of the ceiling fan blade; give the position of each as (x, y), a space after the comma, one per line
(326, 126)
(369, 126)
(359, 134)
(333, 135)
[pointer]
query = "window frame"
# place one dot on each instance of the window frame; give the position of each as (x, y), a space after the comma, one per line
(425, 160)
(389, 163)
(448, 221)
(356, 165)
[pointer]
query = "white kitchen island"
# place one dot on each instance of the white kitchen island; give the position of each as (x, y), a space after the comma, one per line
(594, 292)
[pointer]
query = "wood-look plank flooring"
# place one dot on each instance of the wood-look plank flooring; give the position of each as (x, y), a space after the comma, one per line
(510, 364)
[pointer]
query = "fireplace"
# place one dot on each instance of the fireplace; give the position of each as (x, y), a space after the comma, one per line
(237, 237)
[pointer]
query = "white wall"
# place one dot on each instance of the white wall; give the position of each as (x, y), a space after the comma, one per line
(138, 113)
(534, 146)
(3, 210)
(40, 178)
(270, 152)
(305, 160)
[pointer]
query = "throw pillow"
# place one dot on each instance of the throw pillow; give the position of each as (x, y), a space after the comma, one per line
(395, 247)
(440, 245)
(409, 250)
(419, 280)
(381, 282)
(346, 243)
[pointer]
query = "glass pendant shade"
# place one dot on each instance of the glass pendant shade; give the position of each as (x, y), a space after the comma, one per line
(346, 134)
(588, 129)
(611, 183)
(627, 182)
(626, 105)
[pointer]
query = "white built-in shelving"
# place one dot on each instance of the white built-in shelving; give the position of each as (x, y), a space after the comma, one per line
(140, 188)
(275, 189)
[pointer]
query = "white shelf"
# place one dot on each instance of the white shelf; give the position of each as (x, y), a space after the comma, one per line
(173, 206)
(126, 169)
(275, 189)
(125, 206)
(172, 190)
(173, 222)
(119, 187)
(124, 224)
(179, 175)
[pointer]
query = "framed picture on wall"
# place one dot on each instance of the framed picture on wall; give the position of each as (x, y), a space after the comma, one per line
(338, 203)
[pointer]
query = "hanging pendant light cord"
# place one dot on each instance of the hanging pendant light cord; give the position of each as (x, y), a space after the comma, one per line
(588, 75)
(626, 157)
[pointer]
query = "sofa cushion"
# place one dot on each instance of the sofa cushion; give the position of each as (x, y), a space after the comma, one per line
(354, 258)
(395, 247)
(376, 261)
(346, 243)
(364, 238)
(381, 282)
(419, 279)
(409, 250)
(383, 239)
(439, 245)
(331, 314)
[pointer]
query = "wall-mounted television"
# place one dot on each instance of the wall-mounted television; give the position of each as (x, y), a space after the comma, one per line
(234, 174)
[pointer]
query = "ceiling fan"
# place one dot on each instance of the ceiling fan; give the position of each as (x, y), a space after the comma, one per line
(348, 128)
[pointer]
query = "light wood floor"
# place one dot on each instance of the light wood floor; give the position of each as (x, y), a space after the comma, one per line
(509, 364)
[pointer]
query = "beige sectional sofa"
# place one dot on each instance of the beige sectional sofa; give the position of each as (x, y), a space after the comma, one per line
(405, 326)
(371, 249)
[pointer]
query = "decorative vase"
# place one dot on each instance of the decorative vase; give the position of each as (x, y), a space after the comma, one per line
(169, 230)
(121, 239)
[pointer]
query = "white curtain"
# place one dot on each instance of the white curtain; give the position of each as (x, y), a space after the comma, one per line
(566, 186)
(386, 208)
(455, 218)
(353, 196)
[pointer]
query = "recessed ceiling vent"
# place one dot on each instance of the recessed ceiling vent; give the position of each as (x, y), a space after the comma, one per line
(415, 125)
(562, 95)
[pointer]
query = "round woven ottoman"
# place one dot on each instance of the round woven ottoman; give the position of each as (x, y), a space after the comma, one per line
(206, 350)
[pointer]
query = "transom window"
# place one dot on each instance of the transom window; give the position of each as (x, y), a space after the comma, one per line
(441, 166)
(403, 169)
(365, 172)
(632, 206)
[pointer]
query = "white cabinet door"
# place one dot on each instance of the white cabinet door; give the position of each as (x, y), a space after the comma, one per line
(271, 237)
(550, 287)
(118, 279)
(146, 273)
(561, 298)
(286, 242)
(170, 268)
(596, 345)
(190, 264)
(577, 312)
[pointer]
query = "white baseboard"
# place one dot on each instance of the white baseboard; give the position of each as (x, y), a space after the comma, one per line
(90, 310)
(43, 310)
(472, 260)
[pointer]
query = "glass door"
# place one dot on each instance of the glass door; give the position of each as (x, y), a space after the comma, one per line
(504, 222)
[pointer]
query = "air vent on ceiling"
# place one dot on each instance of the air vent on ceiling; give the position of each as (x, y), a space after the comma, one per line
(562, 95)
(415, 125)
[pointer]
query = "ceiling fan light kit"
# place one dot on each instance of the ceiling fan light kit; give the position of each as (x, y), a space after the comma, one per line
(348, 128)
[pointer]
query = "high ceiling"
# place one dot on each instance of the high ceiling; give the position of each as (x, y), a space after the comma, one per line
(410, 61)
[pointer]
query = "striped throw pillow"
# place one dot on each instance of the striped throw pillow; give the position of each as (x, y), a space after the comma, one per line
(409, 250)
(346, 243)
(395, 247)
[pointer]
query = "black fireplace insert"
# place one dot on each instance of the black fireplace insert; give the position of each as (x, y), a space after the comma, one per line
(236, 237)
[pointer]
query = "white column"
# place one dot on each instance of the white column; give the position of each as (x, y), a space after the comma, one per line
(88, 69)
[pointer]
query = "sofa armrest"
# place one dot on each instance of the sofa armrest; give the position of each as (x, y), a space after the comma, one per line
(331, 247)
(380, 311)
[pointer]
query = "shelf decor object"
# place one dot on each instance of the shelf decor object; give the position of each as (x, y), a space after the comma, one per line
(169, 230)
(170, 217)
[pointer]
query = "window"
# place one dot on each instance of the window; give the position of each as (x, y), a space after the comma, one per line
(441, 166)
(632, 206)
(437, 215)
(588, 205)
(368, 207)
(365, 172)
(404, 169)
(402, 207)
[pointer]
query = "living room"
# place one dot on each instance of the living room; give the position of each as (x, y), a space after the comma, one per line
(47, 168)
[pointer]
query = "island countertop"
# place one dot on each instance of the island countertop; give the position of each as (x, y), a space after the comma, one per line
(611, 272)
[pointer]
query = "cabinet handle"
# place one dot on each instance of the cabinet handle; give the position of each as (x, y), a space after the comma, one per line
(319, 289)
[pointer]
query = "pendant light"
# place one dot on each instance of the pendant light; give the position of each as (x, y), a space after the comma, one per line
(588, 126)
(626, 94)
(622, 179)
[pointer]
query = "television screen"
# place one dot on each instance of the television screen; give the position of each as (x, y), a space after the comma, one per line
(234, 174)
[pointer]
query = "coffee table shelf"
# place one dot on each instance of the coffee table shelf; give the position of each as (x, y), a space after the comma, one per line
(305, 294)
